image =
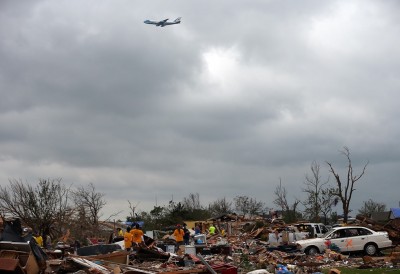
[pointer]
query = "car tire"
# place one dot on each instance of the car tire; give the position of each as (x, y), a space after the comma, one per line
(312, 250)
(370, 249)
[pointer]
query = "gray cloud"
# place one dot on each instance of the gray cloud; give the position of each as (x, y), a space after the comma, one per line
(237, 97)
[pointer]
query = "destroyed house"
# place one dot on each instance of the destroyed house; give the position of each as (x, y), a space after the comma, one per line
(380, 217)
(225, 218)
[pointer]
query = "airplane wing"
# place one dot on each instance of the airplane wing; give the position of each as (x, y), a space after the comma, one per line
(162, 22)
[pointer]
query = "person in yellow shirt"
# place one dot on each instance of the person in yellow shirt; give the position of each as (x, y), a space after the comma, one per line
(211, 229)
(38, 239)
(128, 239)
(178, 234)
(137, 234)
(119, 232)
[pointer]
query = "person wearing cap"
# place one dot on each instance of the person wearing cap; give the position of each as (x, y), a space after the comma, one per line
(178, 234)
(128, 239)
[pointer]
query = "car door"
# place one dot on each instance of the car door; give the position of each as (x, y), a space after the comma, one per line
(320, 230)
(353, 240)
(323, 229)
(361, 239)
(338, 238)
(317, 231)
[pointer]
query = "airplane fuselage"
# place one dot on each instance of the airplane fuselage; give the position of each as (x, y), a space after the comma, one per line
(163, 23)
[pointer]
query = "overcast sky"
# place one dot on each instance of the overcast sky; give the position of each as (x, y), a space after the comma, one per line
(240, 95)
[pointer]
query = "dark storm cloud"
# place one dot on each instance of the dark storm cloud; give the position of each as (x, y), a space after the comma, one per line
(238, 94)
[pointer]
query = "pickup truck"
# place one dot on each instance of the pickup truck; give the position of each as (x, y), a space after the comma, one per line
(312, 230)
(297, 232)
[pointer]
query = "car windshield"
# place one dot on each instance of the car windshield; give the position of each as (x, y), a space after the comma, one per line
(328, 233)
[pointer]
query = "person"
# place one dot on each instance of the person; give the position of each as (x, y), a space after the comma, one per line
(211, 229)
(137, 235)
(77, 245)
(186, 235)
(275, 239)
(273, 214)
(128, 239)
(48, 242)
(119, 232)
(38, 239)
(197, 230)
(178, 234)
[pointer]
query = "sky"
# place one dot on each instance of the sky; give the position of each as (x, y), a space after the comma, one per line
(240, 96)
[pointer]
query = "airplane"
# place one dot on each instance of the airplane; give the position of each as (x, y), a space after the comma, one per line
(163, 23)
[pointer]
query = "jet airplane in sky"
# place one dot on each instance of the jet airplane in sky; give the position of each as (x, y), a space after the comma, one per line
(164, 22)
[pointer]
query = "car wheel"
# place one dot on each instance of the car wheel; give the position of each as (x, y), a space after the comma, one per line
(312, 250)
(370, 249)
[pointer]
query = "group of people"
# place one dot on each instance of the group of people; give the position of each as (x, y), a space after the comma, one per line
(133, 237)
(40, 242)
(182, 235)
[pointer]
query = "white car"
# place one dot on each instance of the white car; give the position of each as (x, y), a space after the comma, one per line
(347, 239)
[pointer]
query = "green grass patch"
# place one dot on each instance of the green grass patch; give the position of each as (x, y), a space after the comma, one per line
(344, 270)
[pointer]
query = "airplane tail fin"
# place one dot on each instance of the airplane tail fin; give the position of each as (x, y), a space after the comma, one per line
(177, 20)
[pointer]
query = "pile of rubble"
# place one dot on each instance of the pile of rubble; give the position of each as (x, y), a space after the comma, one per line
(243, 249)
(253, 261)
(392, 227)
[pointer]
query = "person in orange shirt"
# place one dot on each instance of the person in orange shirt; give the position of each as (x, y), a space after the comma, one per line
(128, 239)
(137, 235)
(178, 234)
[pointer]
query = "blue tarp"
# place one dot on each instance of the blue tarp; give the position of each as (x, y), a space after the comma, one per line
(395, 213)
(131, 224)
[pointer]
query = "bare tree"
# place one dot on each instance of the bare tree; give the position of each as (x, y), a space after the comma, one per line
(256, 207)
(289, 212)
(91, 202)
(40, 207)
(192, 202)
(317, 196)
(281, 199)
(328, 200)
(132, 213)
(193, 207)
(220, 206)
(250, 206)
(345, 189)
(370, 207)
